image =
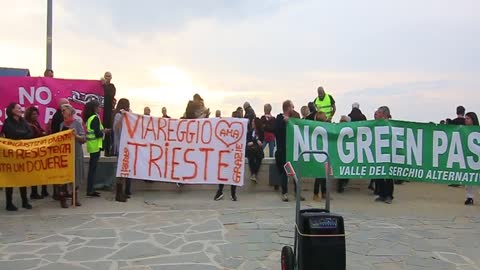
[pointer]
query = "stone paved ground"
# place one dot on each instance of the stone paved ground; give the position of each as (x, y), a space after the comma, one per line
(427, 227)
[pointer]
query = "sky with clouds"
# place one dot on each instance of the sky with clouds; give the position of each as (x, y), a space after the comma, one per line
(421, 58)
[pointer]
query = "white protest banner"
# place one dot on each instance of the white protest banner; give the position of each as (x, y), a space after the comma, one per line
(187, 151)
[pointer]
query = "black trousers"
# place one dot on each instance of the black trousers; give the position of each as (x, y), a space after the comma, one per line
(9, 195)
(280, 160)
(92, 170)
(376, 186)
(233, 189)
(255, 156)
(107, 145)
(107, 123)
(385, 187)
(35, 190)
(341, 183)
(316, 186)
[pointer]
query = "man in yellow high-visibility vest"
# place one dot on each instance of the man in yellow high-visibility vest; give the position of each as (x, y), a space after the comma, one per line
(325, 103)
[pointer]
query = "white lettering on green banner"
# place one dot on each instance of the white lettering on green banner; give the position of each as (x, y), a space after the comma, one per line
(387, 149)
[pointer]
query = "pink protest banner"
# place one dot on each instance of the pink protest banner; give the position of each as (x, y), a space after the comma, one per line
(44, 93)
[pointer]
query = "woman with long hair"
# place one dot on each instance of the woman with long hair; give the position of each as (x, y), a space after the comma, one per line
(196, 108)
(471, 119)
(95, 134)
(16, 128)
(70, 121)
(255, 155)
(123, 106)
(31, 116)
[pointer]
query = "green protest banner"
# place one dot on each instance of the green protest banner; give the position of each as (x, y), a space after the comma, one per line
(387, 149)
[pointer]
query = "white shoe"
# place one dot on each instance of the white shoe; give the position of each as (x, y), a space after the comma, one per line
(253, 178)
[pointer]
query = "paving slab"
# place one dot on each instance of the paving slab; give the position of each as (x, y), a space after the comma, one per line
(138, 250)
(187, 230)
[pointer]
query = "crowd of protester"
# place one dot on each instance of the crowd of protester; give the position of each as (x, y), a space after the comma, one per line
(104, 135)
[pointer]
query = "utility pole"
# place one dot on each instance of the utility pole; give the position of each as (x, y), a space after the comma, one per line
(49, 33)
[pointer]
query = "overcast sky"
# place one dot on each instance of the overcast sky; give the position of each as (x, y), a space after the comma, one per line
(421, 58)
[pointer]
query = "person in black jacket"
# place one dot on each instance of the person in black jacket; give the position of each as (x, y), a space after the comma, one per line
(356, 114)
(384, 187)
(281, 153)
(31, 116)
(460, 120)
(109, 92)
(16, 128)
(255, 138)
(249, 114)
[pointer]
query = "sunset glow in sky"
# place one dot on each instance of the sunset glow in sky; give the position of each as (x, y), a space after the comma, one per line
(421, 58)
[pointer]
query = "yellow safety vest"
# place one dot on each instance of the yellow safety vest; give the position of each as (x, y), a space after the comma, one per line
(94, 144)
(324, 105)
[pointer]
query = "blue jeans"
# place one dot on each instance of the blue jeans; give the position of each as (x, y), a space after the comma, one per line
(271, 147)
(92, 170)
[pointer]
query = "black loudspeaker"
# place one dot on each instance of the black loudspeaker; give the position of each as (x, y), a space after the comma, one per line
(321, 240)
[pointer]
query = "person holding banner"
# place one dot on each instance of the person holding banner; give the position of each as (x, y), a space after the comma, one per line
(320, 183)
(304, 111)
(146, 111)
(16, 128)
(255, 138)
(95, 134)
(31, 116)
(53, 126)
(385, 186)
(123, 106)
(233, 189)
(71, 122)
(164, 113)
(471, 119)
(195, 109)
(459, 121)
(341, 183)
